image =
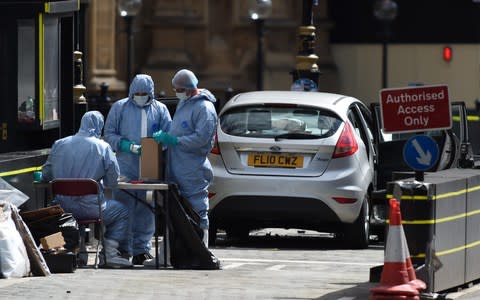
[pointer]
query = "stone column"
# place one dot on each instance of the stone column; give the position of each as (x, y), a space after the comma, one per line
(178, 38)
(102, 47)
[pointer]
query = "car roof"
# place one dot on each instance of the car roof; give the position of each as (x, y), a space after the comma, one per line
(320, 99)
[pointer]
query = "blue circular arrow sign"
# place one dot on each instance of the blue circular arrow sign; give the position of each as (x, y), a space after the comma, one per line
(304, 84)
(420, 152)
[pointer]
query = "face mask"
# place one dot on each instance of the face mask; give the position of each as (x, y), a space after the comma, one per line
(140, 100)
(182, 96)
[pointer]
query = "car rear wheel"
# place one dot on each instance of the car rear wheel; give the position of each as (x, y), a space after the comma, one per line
(357, 234)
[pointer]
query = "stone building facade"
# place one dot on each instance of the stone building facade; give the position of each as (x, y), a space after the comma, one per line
(214, 38)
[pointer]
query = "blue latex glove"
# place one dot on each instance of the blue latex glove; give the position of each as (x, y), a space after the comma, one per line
(125, 145)
(165, 138)
(129, 147)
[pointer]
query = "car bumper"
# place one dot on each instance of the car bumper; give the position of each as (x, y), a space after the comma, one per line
(280, 197)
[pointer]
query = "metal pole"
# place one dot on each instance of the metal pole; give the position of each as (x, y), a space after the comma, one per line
(306, 59)
(386, 38)
(384, 63)
(260, 56)
(307, 15)
(77, 30)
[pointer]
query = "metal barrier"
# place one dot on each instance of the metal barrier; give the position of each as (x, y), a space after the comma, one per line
(441, 217)
(17, 169)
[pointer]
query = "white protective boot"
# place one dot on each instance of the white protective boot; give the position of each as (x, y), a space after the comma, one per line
(205, 237)
(114, 260)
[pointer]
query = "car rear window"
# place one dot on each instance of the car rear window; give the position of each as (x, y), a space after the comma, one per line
(272, 120)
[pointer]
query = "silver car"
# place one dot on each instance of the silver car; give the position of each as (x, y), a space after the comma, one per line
(287, 159)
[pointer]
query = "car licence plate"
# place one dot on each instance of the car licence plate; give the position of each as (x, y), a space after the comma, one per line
(275, 160)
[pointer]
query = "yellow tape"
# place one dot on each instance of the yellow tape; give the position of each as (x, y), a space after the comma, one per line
(469, 118)
(450, 251)
(439, 220)
(433, 197)
(21, 171)
(410, 197)
(473, 118)
(436, 197)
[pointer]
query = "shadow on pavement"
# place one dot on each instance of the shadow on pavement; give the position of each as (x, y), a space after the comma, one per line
(314, 242)
(361, 292)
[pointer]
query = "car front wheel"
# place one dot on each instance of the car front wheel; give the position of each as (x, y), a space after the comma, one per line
(237, 233)
(212, 234)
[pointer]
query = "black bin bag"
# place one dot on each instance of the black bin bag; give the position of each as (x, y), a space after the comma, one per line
(50, 220)
(187, 250)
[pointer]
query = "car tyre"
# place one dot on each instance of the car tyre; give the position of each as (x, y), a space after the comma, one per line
(357, 234)
(212, 235)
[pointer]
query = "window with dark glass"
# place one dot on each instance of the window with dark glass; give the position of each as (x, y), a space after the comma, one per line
(26, 100)
(38, 98)
(51, 70)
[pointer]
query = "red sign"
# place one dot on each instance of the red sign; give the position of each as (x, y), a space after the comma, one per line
(419, 108)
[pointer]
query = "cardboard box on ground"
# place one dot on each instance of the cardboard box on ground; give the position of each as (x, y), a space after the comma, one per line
(57, 232)
(151, 161)
(58, 259)
(53, 241)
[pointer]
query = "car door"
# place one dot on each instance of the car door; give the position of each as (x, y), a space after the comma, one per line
(361, 119)
(389, 147)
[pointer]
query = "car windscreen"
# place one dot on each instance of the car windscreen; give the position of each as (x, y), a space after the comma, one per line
(280, 120)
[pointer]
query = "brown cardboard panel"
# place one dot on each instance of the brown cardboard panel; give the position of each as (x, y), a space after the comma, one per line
(52, 241)
(151, 160)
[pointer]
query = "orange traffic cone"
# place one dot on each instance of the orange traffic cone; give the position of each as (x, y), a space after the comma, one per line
(398, 280)
(417, 283)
